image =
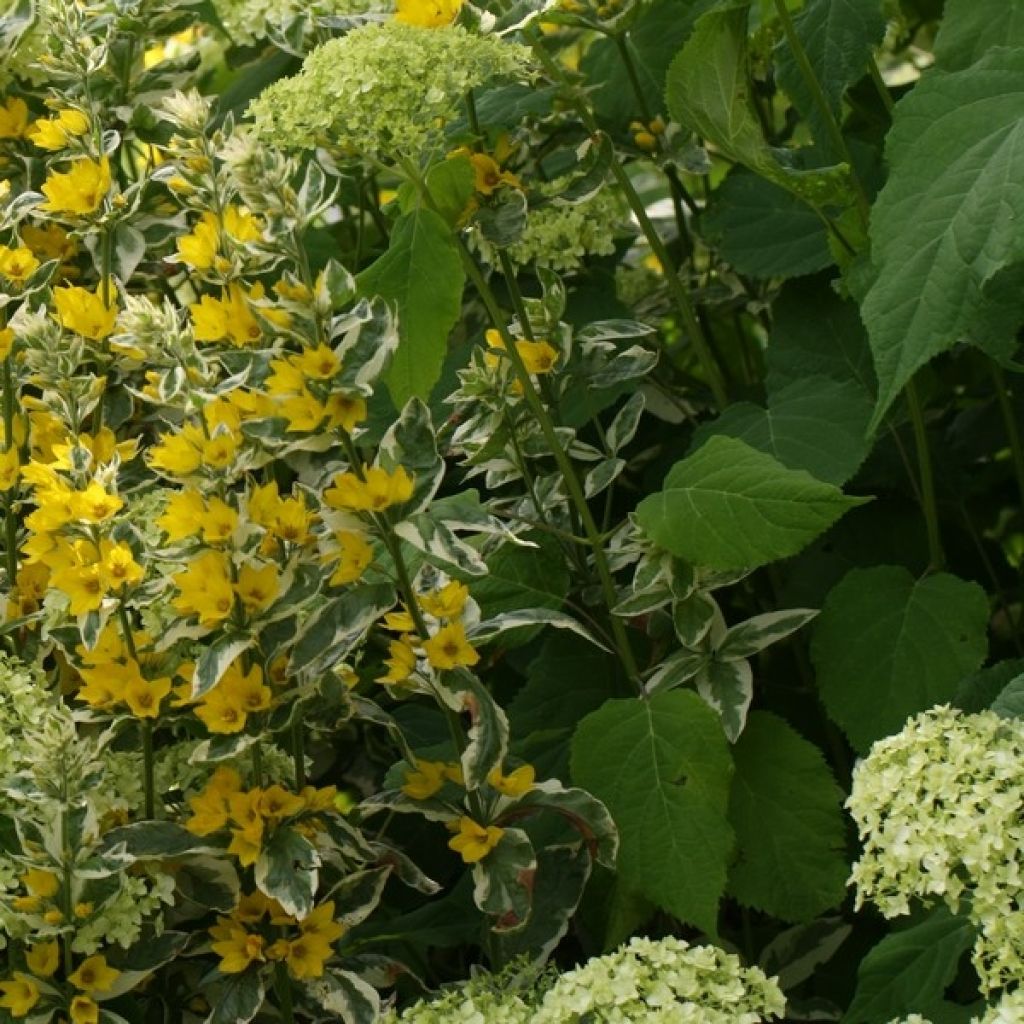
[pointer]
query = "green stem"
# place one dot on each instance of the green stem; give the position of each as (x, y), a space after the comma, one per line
(283, 988)
(880, 86)
(10, 522)
(622, 45)
(146, 729)
(929, 506)
(835, 133)
(1012, 428)
(299, 754)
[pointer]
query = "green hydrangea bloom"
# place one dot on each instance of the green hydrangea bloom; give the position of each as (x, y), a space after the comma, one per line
(383, 90)
(939, 809)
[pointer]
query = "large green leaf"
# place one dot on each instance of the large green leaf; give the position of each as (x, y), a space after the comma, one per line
(421, 273)
(729, 506)
(908, 971)
(970, 28)
(790, 832)
(838, 37)
(887, 646)
(814, 423)
(662, 767)
(287, 871)
(763, 230)
(945, 231)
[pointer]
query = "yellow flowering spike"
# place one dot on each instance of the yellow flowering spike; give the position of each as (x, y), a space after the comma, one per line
(17, 265)
(199, 249)
(354, 555)
(183, 515)
(516, 784)
(473, 842)
(94, 975)
(84, 1010)
(427, 13)
(13, 118)
(247, 692)
(82, 584)
(85, 312)
(20, 994)
(448, 648)
(143, 697)
(79, 190)
(306, 956)
(219, 521)
(446, 603)
(56, 132)
(219, 451)
(43, 958)
(237, 949)
(425, 780)
(204, 589)
(221, 714)
(9, 467)
(94, 504)
(377, 491)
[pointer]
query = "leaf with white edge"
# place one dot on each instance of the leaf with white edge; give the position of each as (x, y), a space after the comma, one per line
(411, 442)
(755, 634)
(583, 811)
(944, 230)
(355, 1001)
(613, 330)
(1010, 702)
(763, 230)
(693, 618)
(441, 546)
(887, 646)
(421, 273)
(787, 811)
(662, 767)
(203, 884)
(602, 476)
(286, 871)
(498, 624)
(503, 881)
(728, 688)
(839, 38)
(141, 960)
(216, 660)
(814, 424)
(154, 840)
(357, 894)
(237, 999)
(623, 427)
(729, 506)
(970, 28)
(675, 670)
(488, 731)
(909, 970)
(369, 337)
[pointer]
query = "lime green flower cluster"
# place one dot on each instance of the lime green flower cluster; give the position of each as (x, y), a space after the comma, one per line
(647, 981)
(383, 90)
(1008, 1010)
(938, 807)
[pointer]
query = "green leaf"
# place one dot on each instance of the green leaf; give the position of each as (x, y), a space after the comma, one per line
(1010, 702)
(662, 767)
(787, 811)
(503, 881)
(422, 275)
(887, 646)
(728, 506)
(793, 955)
(237, 999)
(814, 423)
(341, 992)
(909, 970)
(970, 28)
(216, 660)
(728, 687)
(839, 37)
(978, 691)
(764, 230)
(154, 840)
(755, 634)
(488, 733)
(945, 243)
(286, 870)
(451, 186)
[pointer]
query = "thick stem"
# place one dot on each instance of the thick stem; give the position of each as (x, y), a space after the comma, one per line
(929, 505)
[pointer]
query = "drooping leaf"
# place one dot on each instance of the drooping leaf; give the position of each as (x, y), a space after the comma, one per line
(286, 870)
(970, 28)
(216, 659)
(908, 971)
(944, 239)
(662, 767)
(354, 1000)
(422, 275)
(763, 230)
(787, 811)
(814, 423)
(887, 646)
(838, 37)
(503, 881)
(1010, 702)
(729, 506)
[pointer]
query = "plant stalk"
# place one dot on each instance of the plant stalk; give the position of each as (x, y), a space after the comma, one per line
(929, 505)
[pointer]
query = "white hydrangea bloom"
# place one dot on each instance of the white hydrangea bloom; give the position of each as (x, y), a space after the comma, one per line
(940, 809)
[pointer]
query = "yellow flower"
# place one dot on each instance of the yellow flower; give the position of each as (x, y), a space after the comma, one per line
(143, 697)
(219, 451)
(292, 520)
(6, 341)
(258, 586)
(13, 118)
(94, 504)
(247, 692)
(236, 947)
(219, 521)
(517, 783)
(427, 13)
(40, 882)
(354, 555)
(345, 411)
(241, 225)
(178, 454)
(209, 319)
(320, 922)
(50, 241)
(183, 515)
(119, 567)
(204, 589)
(56, 132)
(319, 363)
(94, 975)
(425, 780)
(17, 265)
(473, 842)
(446, 603)
(377, 491)
(43, 958)
(537, 356)
(9, 466)
(276, 803)
(306, 956)
(448, 648)
(400, 664)
(84, 1011)
(199, 249)
(85, 312)
(20, 994)
(221, 713)
(80, 190)
(488, 176)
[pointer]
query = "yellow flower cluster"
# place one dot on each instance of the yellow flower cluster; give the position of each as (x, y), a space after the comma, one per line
(93, 976)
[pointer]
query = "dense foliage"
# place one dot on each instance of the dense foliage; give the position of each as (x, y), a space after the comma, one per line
(522, 499)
